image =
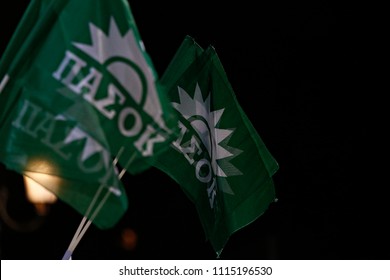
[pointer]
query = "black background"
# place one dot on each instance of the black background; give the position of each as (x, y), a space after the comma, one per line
(298, 70)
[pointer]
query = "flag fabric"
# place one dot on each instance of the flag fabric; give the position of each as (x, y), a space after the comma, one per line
(78, 91)
(218, 159)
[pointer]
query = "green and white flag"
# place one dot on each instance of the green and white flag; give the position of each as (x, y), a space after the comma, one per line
(219, 160)
(77, 90)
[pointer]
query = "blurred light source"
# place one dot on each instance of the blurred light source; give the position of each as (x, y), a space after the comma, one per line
(129, 239)
(38, 195)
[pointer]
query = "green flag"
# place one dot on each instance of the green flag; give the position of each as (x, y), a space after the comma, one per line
(78, 89)
(219, 160)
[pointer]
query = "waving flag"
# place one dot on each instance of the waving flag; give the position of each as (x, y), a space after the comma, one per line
(77, 90)
(219, 160)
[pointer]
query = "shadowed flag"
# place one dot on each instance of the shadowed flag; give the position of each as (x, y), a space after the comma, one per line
(219, 160)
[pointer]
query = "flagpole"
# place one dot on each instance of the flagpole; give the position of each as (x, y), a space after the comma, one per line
(4, 82)
(85, 222)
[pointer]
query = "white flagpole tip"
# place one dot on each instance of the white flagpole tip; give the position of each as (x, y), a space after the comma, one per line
(67, 255)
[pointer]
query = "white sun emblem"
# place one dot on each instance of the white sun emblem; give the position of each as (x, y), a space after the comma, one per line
(205, 123)
(124, 59)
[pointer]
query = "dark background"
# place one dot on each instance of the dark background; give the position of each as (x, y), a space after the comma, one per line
(299, 72)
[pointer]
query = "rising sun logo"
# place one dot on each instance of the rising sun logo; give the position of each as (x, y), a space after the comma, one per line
(123, 56)
(117, 52)
(206, 123)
